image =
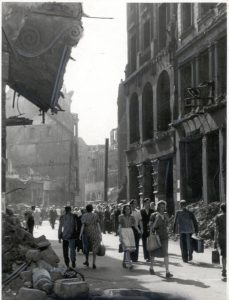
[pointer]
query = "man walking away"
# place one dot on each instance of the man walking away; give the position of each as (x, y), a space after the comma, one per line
(185, 225)
(29, 216)
(68, 233)
(221, 236)
(52, 216)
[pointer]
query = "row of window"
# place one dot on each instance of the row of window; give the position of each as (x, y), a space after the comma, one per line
(163, 110)
(138, 54)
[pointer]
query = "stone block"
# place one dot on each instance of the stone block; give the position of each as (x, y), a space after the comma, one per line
(33, 255)
(50, 256)
(70, 288)
(31, 294)
(43, 244)
(26, 276)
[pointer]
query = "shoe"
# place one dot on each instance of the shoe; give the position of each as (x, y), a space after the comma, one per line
(190, 258)
(224, 273)
(151, 270)
(185, 260)
(168, 275)
(73, 264)
(94, 266)
(148, 260)
(130, 267)
(86, 263)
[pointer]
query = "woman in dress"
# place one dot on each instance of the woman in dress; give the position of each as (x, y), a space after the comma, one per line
(91, 234)
(159, 222)
(126, 224)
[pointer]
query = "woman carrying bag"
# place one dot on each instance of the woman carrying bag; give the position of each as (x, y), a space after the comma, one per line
(126, 223)
(158, 223)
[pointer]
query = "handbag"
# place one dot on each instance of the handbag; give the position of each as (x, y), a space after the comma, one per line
(197, 244)
(153, 242)
(101, 250)
(120, 248)
(215, 257)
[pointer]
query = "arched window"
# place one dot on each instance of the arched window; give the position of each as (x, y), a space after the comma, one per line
(147, 112)
(134, 119)
(163, 102)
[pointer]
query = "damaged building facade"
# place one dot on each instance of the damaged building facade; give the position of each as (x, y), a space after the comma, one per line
(172, 104)
(37, 39)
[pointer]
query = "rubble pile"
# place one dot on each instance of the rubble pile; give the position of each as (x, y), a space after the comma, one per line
(29, 265)
(205, 214)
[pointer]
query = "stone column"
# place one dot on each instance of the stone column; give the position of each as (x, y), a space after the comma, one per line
(222, 165)
(216, 69)
(140, 117)
(205, 169)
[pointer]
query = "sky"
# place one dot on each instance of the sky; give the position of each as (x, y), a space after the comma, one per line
(101, 57)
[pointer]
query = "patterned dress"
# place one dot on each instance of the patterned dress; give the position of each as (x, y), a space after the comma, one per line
(91, 231)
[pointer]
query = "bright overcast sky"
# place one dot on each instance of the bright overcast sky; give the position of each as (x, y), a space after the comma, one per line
(99, 67)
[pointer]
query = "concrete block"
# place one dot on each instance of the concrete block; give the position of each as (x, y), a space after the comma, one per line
(33, 255)
(70, 288)
(26, 276)
(31, 294)
(43, 245)
(50, 256)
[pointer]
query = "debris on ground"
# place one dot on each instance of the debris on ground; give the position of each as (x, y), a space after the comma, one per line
(30, 267)
(205, 214)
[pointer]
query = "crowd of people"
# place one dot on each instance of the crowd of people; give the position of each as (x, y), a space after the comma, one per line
(82, 228)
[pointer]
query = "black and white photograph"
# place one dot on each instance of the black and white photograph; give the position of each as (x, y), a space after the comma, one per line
(114, 146)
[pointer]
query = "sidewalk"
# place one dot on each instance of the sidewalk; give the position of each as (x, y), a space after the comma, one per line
(196, 280)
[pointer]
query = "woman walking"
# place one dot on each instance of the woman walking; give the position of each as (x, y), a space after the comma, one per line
(91, 234)
(159, 222)
(126, 224)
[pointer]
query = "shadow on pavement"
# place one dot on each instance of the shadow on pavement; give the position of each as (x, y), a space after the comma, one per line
(185, 281)
(204, 265)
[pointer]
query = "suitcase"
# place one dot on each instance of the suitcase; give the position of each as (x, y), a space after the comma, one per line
(198, 244)
(215, 257)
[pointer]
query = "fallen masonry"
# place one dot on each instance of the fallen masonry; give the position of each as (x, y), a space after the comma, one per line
(30, 267)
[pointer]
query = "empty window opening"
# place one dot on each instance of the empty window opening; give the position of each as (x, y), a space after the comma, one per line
(186, 82)
(133, 53)
(204, 67)
(163, 102)
(147, 112)
(186, 16)
(134, 119)
(162, 26)
(146, 34)
(222, 66)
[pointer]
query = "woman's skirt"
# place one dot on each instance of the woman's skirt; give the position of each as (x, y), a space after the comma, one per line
(127, 239)
(162, 251)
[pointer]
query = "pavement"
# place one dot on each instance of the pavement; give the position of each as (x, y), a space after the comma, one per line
(198, 279)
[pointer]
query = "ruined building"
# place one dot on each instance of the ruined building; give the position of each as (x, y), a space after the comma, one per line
(37, 39)
(48, 151)
(172, 103)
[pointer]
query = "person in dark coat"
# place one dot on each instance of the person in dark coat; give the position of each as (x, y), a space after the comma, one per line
(29, 216)
(221, 236)
(185, 225)
(68, 232)
(145, 213)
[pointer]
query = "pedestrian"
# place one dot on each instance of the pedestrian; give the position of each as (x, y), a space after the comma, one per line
(107, 220)
(137, 232)
(29, 217)
(90, 234)
(221, 236)
(185, 225)
(146, 213)
(117, 213)
(67, 233)
(37, 217)
(126, 234)
(52, 216)
(159, 222)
